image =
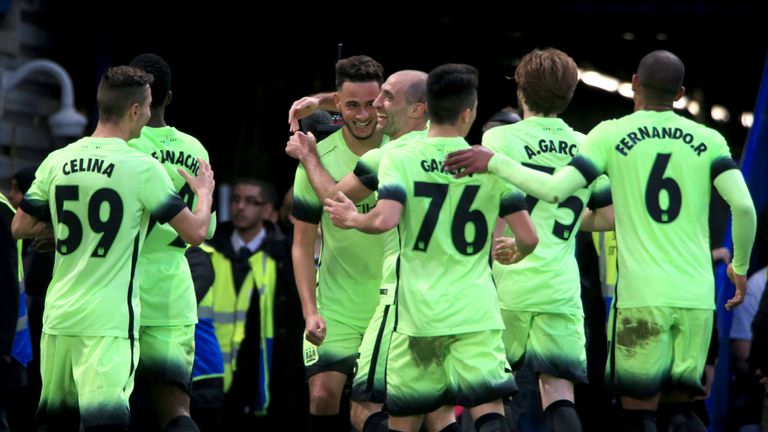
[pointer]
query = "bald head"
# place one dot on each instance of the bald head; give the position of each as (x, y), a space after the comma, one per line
(401, 105)
(412, 83)
(660, 74)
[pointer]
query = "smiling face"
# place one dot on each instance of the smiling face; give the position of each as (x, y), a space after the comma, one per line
(392, 105)
(354, 100)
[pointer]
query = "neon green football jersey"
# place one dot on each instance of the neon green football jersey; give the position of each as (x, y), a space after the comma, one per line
(661, 167)
(547, 280)
(99, 194)
(350, 270)
(167, 293)
(444, 283)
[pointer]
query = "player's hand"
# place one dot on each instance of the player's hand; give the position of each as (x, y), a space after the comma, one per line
(45, 242)
(300, 109)
(203, 184)
(721, 254)
(469, 161)
(740, 281)
(301, 146)
(341, 210)
(314, 331)
(504, 250)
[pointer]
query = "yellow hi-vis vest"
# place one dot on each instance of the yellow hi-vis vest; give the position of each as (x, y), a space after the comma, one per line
(608, 253)
(229, 309)
(21, 349)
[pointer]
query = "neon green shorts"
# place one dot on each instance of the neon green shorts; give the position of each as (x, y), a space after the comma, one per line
(86, 379)
(370, 384)
(424, 373)
(167, 354)
(337, 353)
(658, 348)
(551, 343)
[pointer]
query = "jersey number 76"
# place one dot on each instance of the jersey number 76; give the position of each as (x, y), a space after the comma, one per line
(437, 192)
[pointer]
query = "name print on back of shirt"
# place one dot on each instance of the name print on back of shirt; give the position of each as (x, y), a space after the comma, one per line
(88, 165)
(628, 142)
(186, 160)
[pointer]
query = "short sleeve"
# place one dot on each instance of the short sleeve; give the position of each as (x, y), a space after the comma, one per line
(512, 199)
(592, 158)
(35, 202)
(306, 205)
(391, 185)
(600, 193)
(367, 168)
(158, 195)
(720, 156)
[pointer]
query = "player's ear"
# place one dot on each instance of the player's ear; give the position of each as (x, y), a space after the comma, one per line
(679, 94)
(417, 109)
(466, 116)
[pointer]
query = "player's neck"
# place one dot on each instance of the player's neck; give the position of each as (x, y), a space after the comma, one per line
(642, 105)
(416, 126)
(111, 130)
(361, 146)
(528, 114)
(157, 118)
(444, 130)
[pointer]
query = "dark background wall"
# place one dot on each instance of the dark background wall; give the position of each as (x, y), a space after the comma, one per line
(235, 76)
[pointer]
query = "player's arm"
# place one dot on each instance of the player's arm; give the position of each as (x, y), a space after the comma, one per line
(389, 207)
(304, 148)
(525, 233)
(303, 253)
(601, 219)
(33, 216)
(514, 211)
(193, 226)
(550, 188)
(731, 186)
(599, 214)
(383, 217)
(307, 105)
(25, 226)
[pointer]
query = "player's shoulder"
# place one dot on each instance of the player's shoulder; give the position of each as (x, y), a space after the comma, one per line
(327, 147)
(191, 141)
(700, 130)
(609, 125)
(502, 132)
(138, 161)
(578, 136)
(57, 155)
(413, 148)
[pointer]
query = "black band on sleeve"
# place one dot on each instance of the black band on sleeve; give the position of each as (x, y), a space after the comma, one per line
(391, 192)
(170, 208)
(512, 203)
(36, 209)
(721, 165)
(600, 198)
(585, 168)
(306, 212)
(367, 177)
